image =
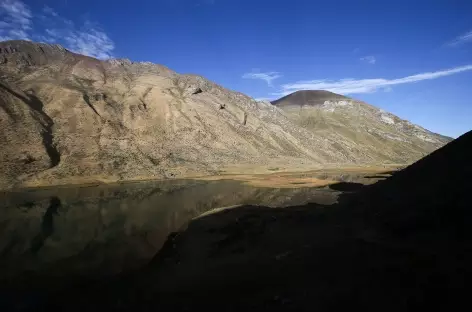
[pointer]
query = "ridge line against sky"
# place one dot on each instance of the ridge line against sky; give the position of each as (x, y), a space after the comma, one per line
(89, 39)
(284, 51)
(20, 22)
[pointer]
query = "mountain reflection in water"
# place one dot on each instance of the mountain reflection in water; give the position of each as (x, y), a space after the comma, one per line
(84, 233)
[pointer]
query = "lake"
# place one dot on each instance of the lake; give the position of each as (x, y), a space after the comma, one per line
(51, 238)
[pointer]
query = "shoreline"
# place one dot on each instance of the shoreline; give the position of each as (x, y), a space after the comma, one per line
(279, 178)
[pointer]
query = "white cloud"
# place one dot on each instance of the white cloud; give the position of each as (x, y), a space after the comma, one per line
(369, 59)
(19, 22)
(16, 12)
(52, 32)
(18, 33)
(352, 86)
(92, 42)
(267, 77)
(16, 20)
(467, 37)
(50, 11)
(44, 39)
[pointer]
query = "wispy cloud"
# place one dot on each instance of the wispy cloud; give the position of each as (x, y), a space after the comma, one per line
(352, 86)
(268, 77)
(19, 22)
(370, 59)
(464, 38)
(90, 41)
(50, 11)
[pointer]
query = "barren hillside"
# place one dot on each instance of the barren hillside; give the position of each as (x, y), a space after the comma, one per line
(358, 128)
(69, 118)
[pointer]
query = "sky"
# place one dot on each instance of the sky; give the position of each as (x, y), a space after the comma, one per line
(411, 58)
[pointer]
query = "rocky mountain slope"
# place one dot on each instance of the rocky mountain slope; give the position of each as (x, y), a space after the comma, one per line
(69, 118)
(357, 127)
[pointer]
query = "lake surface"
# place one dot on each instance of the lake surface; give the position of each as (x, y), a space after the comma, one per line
(52, 236)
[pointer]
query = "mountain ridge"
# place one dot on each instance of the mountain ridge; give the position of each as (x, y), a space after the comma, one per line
(309, 97)
(68, 118)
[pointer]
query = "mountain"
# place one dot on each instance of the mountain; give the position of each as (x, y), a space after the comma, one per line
(358, 128)
(309, 97)
(68, 118)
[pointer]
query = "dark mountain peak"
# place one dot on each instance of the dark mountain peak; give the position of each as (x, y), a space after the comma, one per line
(309, 97)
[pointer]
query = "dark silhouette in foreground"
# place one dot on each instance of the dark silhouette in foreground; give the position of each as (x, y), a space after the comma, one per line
(346, 186)
(402, 244)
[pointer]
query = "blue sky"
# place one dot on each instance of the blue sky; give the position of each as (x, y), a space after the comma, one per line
(412, 58)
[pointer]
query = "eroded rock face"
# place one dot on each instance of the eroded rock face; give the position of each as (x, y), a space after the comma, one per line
(69, 118)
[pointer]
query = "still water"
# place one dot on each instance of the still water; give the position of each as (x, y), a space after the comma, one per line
(47, 235)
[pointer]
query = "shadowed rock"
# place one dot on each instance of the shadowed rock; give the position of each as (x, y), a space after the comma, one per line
(398, 245)
(346, 186)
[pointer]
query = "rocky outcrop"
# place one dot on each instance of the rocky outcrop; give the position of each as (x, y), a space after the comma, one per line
(22, 53)
(69, 118)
